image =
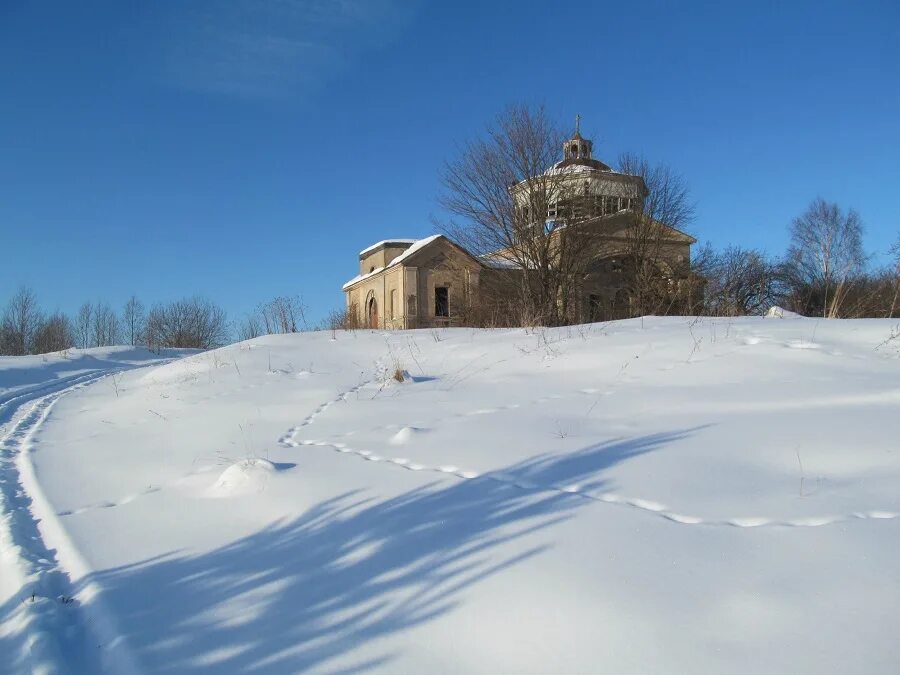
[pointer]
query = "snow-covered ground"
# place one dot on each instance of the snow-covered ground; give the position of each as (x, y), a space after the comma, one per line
(647, 496)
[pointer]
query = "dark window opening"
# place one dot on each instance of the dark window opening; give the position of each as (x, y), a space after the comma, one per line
(594, 307)
(442, 302)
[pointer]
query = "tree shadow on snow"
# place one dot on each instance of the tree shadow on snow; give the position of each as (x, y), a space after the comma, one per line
(351, 570)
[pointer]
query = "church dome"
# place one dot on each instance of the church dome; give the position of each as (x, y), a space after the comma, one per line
(580, 164)
(578, 154)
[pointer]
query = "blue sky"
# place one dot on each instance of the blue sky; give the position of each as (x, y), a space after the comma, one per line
(251, 148)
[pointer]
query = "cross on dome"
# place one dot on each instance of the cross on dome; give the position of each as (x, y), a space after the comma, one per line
(578, 147)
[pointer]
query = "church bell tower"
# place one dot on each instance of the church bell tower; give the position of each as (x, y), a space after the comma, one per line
(578, 147)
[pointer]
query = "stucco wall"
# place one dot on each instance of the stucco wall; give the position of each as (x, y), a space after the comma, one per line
(411, 285)
(443, 265)
(405, 293)
(378, 287)
(380, 257)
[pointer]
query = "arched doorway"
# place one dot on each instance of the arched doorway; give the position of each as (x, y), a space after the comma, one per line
(372, 311)
(622, 304)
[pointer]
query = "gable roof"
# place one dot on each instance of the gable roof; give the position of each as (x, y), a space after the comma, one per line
(415, 248)
(418, 246)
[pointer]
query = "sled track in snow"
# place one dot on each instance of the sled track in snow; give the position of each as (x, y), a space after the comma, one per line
(12, 403)
(55, 632)
(289, 439)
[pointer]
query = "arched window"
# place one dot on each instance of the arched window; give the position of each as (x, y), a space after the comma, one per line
(372, 317)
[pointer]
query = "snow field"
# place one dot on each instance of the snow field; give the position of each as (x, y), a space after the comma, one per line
(665, 495)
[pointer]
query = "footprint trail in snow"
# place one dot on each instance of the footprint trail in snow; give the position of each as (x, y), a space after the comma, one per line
(290, 439)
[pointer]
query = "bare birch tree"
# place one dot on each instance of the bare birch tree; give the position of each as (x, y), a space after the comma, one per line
(825, 255)
(133, 320)
(83, 325)
(104, 325)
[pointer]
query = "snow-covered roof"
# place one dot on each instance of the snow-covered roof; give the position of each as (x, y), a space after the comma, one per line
(360, 277)
(560, 168)
(386, 241)
(417, 245)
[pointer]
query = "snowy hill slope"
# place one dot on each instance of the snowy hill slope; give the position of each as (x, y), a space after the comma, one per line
(21, 374)
(663, 495)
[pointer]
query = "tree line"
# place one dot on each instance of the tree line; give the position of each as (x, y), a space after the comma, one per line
(193, 323)
(824, 272)
(189, 323)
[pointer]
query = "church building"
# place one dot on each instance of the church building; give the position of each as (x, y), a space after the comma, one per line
(432, 282)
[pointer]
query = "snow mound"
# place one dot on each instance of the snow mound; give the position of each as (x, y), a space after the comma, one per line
(776, 312)
(405, 435)
(249, 476)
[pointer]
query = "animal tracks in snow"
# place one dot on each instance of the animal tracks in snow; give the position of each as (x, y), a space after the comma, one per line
(110, 504)
(405, 434)
(192, 474)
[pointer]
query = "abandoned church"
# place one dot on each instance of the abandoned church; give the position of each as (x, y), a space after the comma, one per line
(431, 282)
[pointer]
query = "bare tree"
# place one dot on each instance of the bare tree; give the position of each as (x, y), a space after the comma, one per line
(738, 281)
(523, 214)
(824, 256)
(104, 326)
(895, 296)
(668, 197)
(871, 294)
(83, 325)
(133, 319)
(650, 274)
(282, 314)
(344, 318)
(875, 293)
(249, 328)
(19, 323)
(190, 323)
(54, 334)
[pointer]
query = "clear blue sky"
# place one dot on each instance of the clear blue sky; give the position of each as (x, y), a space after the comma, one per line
(244, 149)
